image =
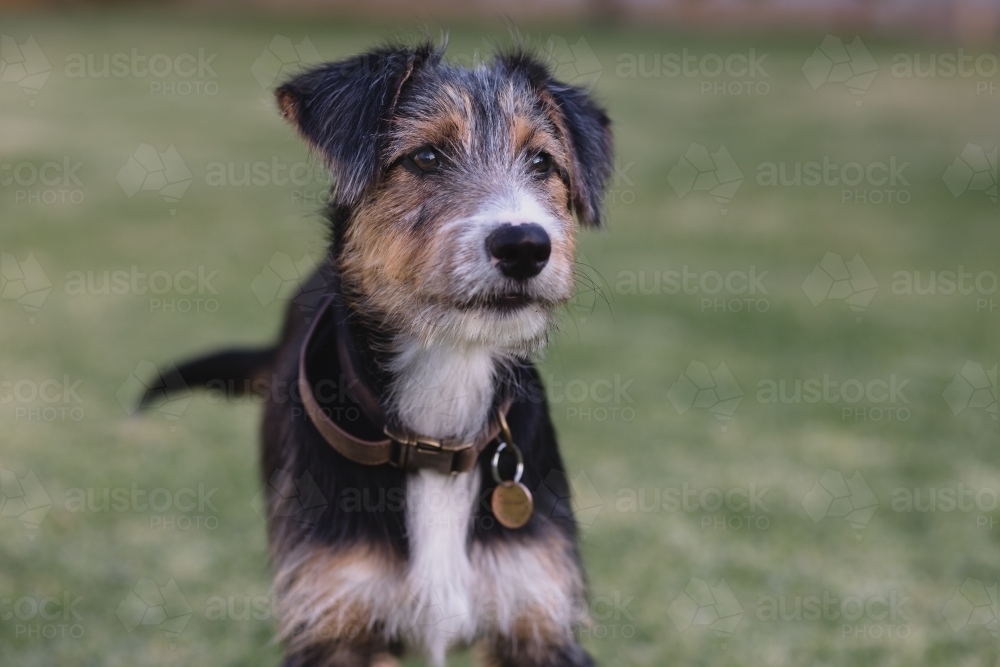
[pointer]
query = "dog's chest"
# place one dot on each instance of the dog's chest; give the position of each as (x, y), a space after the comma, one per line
(442, 392)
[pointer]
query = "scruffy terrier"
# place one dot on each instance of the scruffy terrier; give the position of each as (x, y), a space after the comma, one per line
(401, 464)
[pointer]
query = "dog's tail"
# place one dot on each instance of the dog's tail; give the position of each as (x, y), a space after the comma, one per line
(234, 369)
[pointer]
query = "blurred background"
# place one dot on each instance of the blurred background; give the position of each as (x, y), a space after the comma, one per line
(776, 392)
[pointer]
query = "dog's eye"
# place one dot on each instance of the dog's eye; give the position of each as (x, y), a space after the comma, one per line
(541, 164)
(425, 158)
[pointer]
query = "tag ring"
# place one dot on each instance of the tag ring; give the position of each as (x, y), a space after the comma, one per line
(494, 466)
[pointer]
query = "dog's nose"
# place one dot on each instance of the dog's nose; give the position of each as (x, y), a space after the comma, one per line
(521, 251)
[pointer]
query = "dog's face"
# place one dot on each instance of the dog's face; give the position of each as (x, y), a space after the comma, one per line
(461, 187)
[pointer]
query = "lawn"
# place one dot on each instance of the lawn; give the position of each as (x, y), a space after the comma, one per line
(778, 408)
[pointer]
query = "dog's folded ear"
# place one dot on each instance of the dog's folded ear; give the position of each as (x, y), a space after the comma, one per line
(343, 108)
(585, 127)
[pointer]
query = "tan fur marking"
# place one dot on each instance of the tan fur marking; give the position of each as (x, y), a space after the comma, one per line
(449, 126)
(321, 598)
(546, 619)
(522, 131)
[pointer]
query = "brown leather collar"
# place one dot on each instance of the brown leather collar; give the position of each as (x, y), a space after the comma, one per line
(398, 448)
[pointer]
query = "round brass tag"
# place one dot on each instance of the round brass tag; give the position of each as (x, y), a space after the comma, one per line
(512, 504)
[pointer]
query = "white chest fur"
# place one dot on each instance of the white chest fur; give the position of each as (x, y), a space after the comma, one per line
(440, 579)
(442, 392)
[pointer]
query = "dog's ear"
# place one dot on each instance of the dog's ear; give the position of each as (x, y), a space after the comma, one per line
(585, 127)
(343, 109)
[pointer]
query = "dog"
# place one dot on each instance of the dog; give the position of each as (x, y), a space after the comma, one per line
(412, 401)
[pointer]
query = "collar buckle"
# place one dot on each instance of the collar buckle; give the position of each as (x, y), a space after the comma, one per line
(412, 452)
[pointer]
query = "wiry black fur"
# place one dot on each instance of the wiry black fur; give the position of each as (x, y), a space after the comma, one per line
(234, 370)
(342, 109)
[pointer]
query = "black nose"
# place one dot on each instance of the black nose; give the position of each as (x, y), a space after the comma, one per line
(521, 250)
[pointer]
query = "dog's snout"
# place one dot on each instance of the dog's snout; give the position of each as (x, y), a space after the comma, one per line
(521, 251)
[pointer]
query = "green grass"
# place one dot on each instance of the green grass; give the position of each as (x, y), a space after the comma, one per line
(639, 447)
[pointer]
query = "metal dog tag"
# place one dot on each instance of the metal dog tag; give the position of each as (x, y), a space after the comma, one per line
(511, 501)
(512, 504)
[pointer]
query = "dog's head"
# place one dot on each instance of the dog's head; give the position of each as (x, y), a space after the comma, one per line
(459, 187)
